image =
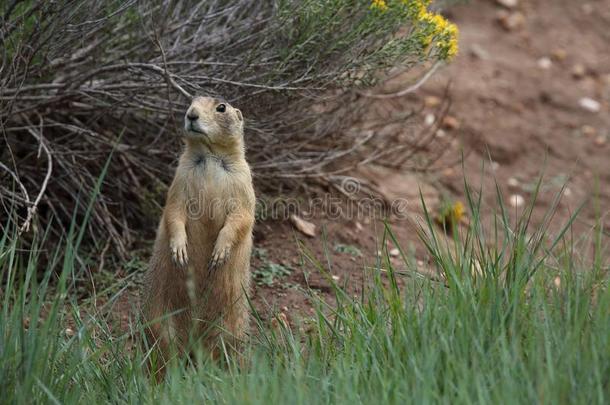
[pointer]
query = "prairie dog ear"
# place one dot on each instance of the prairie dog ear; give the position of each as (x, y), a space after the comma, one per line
(239, 116)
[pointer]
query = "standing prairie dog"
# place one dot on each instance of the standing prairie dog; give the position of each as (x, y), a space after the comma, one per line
(199, 272)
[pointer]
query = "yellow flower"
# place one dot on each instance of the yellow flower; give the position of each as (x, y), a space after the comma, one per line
(380, 5)
(435, 31)
(458, 211)
(438, 32)
(450, 214)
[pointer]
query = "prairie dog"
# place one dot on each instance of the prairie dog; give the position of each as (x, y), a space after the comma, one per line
(199, 273)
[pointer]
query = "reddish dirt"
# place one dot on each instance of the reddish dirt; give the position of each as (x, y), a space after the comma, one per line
(514, 106)
(523, 112)
(513, 111)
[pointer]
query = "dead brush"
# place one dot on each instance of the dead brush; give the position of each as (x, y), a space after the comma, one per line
(82, 78)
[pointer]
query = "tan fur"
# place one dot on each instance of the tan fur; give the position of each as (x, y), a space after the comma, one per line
(199, 272)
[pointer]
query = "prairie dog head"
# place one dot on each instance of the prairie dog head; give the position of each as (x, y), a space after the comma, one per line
(214, 121)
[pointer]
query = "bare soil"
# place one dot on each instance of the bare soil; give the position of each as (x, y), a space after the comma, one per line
(512, 112)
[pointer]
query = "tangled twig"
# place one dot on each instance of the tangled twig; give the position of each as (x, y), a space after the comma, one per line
(82, 71)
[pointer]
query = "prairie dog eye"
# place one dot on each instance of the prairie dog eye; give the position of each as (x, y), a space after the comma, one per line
(221, 108)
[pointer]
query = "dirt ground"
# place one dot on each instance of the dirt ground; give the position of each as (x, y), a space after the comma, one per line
(516, 89)
(530, 95)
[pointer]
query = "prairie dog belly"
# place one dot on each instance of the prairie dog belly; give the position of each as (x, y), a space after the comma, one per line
(214, 190)
(206, 209)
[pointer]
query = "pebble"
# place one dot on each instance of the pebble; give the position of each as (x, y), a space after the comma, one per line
(588, 130)
(430, 119)
(590, 105)
(559, 54)
(280, 320)
(578, 71)
(441, 134)
(336, 278)
(516, 200)
(451, 123)
(448, 172)
(69, 332)
(508, 3)
(557, 282)
(601, 140)
(394, 252)
(305, 227)
(513, 182)
(511, 21)
(478, 52)
(432, 101)
(545, 63)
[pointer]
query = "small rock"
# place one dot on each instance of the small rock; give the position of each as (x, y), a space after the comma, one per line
(511, 21)
(508, 3)
(305, 227)
(336, 278)
(578, 71)
(516, 200)
(545, 63)
(588, 130)
(567, 192)
(450, 123)
(441, 134)
(557, 282)
(394, 252)
(432, 101)
(495, 165)
(590, 105)
(601, 140)
(478, 52)
(448, 172)
(280, 321)
(430, 119)
(559, 54)
(69, 332)
(358, 226)
(513, 182)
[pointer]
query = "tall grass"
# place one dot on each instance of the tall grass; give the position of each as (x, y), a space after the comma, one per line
(514, 317)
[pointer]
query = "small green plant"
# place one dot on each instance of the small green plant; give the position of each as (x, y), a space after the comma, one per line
(348, 249)
(270, 272)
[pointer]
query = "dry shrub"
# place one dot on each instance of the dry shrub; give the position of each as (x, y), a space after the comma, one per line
(80, 79)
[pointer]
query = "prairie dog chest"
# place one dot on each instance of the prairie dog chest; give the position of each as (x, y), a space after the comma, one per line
(210, 184)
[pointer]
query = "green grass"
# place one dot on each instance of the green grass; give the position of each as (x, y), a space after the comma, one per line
(495, 329)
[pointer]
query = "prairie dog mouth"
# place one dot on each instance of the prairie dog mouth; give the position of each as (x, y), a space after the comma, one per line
(196, 129)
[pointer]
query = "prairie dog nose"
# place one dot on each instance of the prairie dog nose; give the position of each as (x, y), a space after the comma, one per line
(192, 115)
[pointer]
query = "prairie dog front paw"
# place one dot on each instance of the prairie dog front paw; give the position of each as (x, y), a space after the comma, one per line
(219, 256)
(178, 248)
